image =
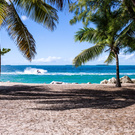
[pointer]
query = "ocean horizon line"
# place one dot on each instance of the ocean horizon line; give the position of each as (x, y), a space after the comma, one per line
(68, 65)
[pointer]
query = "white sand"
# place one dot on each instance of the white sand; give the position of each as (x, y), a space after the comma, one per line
(73, 109)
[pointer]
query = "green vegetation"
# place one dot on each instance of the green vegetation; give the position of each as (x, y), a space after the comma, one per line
(37, 10)
(2, 52)
(83, 9)
(114, 30)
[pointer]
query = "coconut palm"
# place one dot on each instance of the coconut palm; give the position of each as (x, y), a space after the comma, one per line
(130, 6)
(2, 52)
(37, 10)
(108, 36)
(83, 9)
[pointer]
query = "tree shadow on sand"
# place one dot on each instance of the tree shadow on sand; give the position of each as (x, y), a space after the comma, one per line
(69, 98)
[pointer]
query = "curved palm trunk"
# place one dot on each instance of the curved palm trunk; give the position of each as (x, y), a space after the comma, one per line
(0, 61)
(118, 84)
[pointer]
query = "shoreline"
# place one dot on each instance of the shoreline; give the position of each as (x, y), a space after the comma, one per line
(16, 84)
(112, 81)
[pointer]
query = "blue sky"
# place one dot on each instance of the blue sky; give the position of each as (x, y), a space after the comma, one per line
(53, 48)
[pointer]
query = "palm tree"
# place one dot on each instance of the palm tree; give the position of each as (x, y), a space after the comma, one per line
(83, 9)
(130, 6)
(108, 36)
(2, 52)
(37, 10)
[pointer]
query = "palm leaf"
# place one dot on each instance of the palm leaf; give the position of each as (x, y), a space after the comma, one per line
(84, 9)
(126, 39)
(110, 58)
(88, 54)
(20, 34)
(89, 35)
(124, 32)
(39, 11)
(59, 3)
(2, 11)
(4, 50)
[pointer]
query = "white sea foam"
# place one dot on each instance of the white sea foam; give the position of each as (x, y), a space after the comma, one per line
(33, 71)
(27, 71)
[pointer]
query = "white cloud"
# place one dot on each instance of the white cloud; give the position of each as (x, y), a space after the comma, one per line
(24, 17)
(47, 60)
(126, 57)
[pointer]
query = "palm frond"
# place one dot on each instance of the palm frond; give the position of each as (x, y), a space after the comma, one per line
(59, 3)
(20, 34)
(127, 36)
(83, 9)
(4, 50)
(88, 54)
(128, 44)
(130, 7)
(125, 30)
(2, 11)
(110, 58)
(89, 35)
(40, 12)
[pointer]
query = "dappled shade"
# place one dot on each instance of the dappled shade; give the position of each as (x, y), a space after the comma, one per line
(49, 99)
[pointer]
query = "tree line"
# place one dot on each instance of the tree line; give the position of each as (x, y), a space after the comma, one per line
(115, 29)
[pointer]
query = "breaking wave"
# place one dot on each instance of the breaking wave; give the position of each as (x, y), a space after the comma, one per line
(34, 71)
(28, 71)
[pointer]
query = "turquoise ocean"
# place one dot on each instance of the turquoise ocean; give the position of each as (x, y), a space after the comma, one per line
(63, 73)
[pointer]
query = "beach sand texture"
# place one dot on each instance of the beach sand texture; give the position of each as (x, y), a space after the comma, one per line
(73, 109)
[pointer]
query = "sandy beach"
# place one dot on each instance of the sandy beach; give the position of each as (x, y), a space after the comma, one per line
(70, 109)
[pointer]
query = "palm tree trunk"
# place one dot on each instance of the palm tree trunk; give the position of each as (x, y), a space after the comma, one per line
(118, 84)
(0, 61)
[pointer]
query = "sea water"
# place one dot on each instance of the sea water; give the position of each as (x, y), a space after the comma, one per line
(63, 73)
